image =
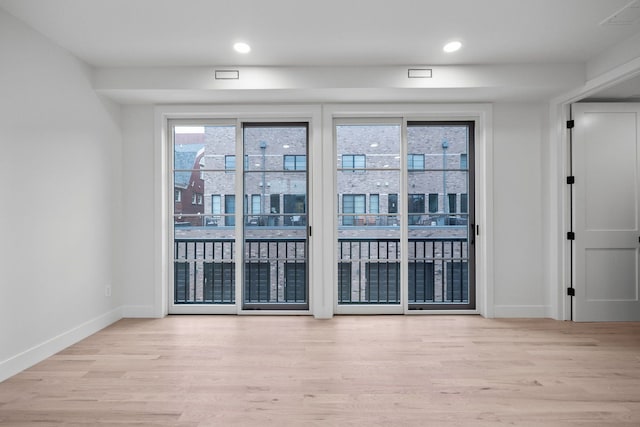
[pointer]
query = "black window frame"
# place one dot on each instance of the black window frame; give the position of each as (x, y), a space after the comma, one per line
(296, 162)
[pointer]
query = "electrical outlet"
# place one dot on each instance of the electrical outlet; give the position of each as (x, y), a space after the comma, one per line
(107, 291)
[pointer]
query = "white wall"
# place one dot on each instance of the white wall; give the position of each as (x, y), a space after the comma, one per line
(519, 289)
(520, 285)
(60, 181)
(138, 251)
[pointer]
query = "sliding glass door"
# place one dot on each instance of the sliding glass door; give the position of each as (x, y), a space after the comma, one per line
(204, 234)
(397, 233)
(266, 216)
(405, 215)
(440, 191)
(275, 216)
(368, 184)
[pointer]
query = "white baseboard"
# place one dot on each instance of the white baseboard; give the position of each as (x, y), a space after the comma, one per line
(38, 353)
(144, 311)
(513, 311)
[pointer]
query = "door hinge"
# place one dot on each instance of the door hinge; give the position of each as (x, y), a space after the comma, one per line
(570, 124)
(571, 292)
(571, 180)
(571, 235)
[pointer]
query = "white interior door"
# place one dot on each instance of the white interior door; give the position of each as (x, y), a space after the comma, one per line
(606, 198)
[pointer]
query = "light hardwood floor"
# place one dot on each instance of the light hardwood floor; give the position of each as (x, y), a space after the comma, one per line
(348, 371)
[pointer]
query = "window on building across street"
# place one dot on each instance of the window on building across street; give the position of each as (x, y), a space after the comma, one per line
(415, 162)
(354, 161)
(200, 199)
(452, 203)
(392, 203)
(295, 163)
(463, 161)
(374, 203)
(352, 204)
(178, 195)
(216, 206)
(230, 163)
(194, 199)
(416, 206)
(255, 204)
(433, 203)
(229, 209)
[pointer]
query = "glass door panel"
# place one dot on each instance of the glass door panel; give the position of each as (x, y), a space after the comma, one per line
(275, 216)
(440, 183)
(203, 212)
(368, 184)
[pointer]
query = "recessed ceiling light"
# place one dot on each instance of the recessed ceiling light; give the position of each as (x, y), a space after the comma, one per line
(452, 46)
(242, 47)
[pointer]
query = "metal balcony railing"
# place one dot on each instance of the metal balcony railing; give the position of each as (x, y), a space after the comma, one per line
(369, 271)
(204, 271)
(276, 271)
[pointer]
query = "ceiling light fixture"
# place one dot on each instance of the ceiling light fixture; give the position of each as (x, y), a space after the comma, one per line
(242, 47)
(452, 46)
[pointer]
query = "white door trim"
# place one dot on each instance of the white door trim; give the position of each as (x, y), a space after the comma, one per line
(321, 118)
(163, 181)
(482, 115)
(606, 285)
(557, 264)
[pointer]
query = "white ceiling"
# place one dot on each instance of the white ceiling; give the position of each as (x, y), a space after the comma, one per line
(155, 33)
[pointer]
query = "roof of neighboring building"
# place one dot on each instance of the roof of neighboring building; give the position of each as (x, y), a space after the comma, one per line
(184, 158)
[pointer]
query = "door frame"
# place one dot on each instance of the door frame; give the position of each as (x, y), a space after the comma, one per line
(558, 156)
(403, 306)
(320, 118)
(236, 114)
(482, 116)
(582, 308)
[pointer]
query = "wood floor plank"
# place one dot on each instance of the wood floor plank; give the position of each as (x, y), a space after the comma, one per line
(348, 371)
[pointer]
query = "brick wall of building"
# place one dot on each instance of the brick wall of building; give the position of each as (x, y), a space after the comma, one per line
(267, 185)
